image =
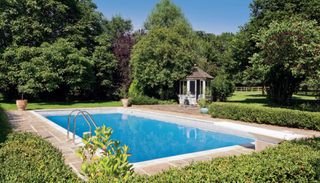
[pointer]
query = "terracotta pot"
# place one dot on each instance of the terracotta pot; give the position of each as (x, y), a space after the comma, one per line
(125, 102)
(21, 104)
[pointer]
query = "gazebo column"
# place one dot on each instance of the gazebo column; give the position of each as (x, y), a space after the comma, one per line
(188, 86)
(195, 89)
(204, 88)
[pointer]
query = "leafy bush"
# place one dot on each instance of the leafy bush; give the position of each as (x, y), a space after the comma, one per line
(221, 88)
(104, 159)
(203, 103)
(145, 100)
(25, 157)
(4, 126)
(288, 162)
(266, 115)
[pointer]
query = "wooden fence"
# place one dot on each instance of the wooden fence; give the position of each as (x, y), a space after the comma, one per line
(249, 89)
(260, 88)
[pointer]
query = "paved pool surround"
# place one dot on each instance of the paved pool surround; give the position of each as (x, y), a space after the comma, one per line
(34, 121)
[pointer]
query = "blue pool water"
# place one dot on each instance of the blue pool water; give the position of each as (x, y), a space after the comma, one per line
(150, 139)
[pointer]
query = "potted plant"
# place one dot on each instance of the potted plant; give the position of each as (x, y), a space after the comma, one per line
(25, 88)
(124, 95)
(21, 103)
(203, 103)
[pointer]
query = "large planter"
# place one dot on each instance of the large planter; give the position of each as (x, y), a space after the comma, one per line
(204, 110)
(21, 104)
(125, 102)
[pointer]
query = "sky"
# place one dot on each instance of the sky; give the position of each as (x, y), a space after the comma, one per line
(212, 16)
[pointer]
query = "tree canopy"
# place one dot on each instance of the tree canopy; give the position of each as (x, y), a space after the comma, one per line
(165, 54)
(289, 54)
(165, 15)
(263, 12)
(59, 48)
(159, 60)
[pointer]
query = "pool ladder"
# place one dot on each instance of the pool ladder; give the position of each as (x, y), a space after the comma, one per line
(87, 117)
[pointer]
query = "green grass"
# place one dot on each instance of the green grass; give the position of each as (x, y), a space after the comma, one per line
(299, 102)
(60, 105)
(258, 99)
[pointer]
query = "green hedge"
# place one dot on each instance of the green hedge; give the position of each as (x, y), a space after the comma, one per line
(5, 128)
(288, 162)
(145, 100)
(27, 158)
(266, 115)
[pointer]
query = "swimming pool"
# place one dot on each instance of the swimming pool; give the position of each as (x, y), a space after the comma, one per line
(152, 137)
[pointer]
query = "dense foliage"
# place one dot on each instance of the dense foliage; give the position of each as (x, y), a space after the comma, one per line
(266, 115)
(263, 13)
(289, 54)
(221, 87)
(27, 158)
(103, 158)
(159, 60)
(288, 162)
(4, 126)
(62, 50)
(165, 54)
(215, 51)
(166, 15)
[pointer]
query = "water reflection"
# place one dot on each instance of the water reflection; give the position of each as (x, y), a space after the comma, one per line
(150, 139)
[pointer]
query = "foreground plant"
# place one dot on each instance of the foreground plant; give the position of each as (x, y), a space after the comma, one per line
(104, 158)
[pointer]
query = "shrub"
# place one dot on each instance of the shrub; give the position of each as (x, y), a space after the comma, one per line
(104, 159)
(221, 88)
(5, 128)
(288, 162)
(25, 157)
(145, 100)
(266, 115)
(203, 103)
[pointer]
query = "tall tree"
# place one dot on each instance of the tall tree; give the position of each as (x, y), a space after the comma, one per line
(31, 29)
(263, 12)
(165, 15)
(165, 54)
(122, 40)
(58, 66)
(289, 53)
(159, 59)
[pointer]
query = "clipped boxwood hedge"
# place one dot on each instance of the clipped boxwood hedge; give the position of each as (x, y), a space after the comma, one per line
(288, 162)
(25, 157)
(266, 115)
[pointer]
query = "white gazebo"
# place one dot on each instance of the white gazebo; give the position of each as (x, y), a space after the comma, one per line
(196, 86)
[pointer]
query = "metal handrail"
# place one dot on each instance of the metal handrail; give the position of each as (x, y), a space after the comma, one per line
(85, 115)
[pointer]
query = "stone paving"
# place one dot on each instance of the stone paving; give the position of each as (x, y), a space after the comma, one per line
(26, 121)
(194, 113)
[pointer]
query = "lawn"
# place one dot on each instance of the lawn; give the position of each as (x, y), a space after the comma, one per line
(299, 102)
(256, 98)
(60, 105)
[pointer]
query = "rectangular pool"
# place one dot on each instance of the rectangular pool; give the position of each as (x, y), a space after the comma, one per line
(150, 138)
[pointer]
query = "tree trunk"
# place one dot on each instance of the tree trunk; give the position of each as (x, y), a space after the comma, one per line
(282, 85)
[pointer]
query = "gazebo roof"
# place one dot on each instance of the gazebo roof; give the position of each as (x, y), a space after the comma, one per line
(199, 74)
